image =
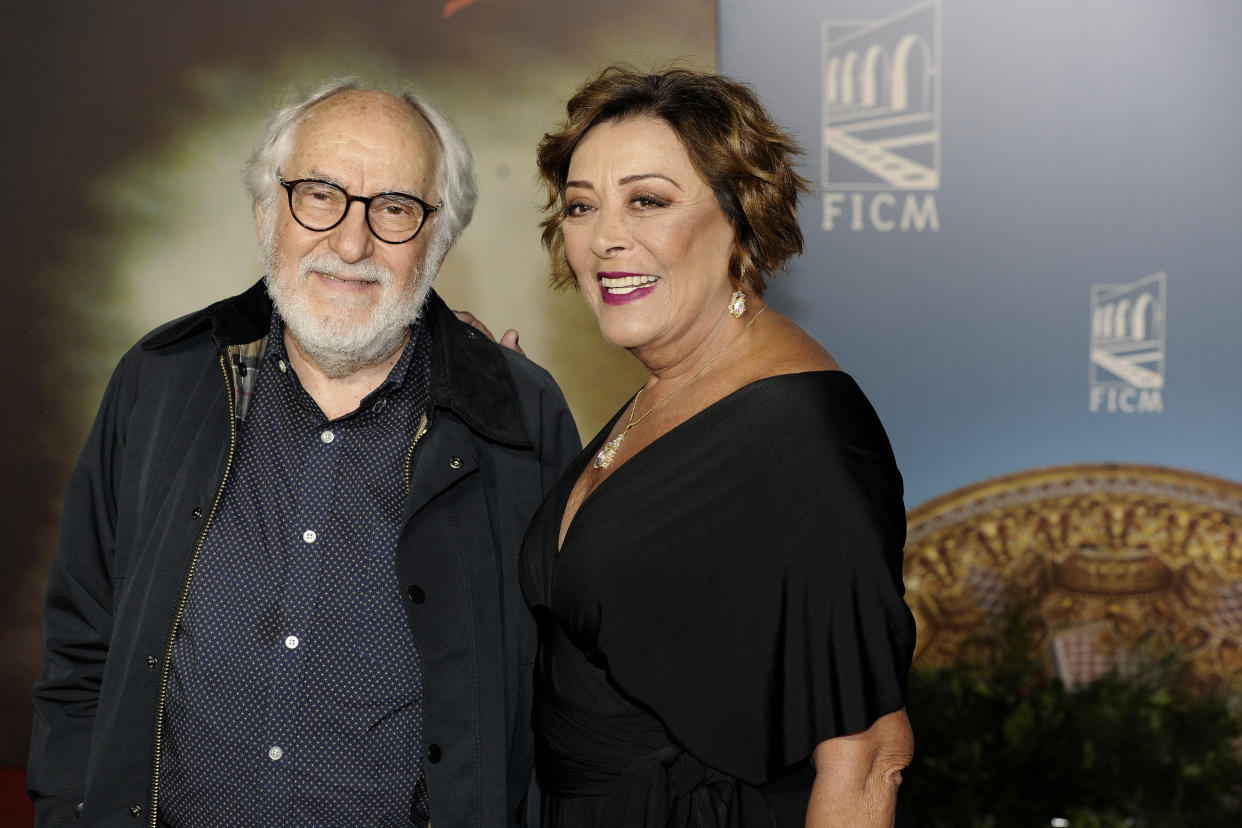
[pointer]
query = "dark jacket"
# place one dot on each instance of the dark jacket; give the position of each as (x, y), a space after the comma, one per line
(140, 502)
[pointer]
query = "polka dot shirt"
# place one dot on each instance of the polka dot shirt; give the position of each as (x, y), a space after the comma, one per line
(295, 694)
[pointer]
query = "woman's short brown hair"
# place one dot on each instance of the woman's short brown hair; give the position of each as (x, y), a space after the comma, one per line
(744, 156)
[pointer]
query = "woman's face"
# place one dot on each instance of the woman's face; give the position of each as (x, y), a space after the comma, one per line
(646, 238)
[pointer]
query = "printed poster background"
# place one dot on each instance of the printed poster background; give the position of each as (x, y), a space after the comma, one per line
(125, 131)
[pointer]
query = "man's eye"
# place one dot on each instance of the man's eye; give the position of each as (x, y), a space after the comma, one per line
(317, 194)
(393, 208)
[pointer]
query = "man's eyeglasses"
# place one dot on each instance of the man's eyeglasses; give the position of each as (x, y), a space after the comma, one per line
(394, 218)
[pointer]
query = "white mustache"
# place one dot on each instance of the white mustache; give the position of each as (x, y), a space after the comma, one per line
(333, 266)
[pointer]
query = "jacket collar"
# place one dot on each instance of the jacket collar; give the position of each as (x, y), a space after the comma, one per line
(469, 374)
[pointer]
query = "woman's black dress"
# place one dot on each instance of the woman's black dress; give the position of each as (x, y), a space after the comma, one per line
(727, 599)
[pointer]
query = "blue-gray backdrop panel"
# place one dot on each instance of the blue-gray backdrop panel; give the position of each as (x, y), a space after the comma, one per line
(1027, 228)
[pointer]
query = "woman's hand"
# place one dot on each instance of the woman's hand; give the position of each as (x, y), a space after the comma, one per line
(857, 776)
(509, 340)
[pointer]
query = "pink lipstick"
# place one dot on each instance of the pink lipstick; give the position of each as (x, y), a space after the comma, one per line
(621, 288)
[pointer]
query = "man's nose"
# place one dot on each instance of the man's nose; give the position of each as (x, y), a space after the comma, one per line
(352, 239)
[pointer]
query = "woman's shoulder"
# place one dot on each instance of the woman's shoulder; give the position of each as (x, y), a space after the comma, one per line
(787, 349)
(791, 365)
(798, 400)
(799, 391)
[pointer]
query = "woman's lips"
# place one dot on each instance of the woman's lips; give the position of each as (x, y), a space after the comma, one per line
(619, 288)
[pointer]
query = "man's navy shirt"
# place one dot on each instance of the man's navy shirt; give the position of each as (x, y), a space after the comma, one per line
(295, 694)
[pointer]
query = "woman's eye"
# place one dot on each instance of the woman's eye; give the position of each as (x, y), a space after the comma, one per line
(648, 201)
(576, 208)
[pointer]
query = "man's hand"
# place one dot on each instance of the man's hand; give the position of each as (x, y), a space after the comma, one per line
(509, 340)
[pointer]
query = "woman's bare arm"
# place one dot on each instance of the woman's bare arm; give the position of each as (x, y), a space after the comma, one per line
(857, 776)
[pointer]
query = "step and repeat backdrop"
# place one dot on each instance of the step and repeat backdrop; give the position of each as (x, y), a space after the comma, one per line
(1025, 244)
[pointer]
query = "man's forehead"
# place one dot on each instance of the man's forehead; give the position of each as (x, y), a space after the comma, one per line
(364, 103)
(369, 122)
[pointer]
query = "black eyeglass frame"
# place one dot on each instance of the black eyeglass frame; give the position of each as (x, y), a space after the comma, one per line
(428, 209)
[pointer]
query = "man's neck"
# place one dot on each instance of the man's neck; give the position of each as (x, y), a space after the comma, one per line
(338, 396)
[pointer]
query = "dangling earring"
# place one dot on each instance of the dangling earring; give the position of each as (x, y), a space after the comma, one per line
(737, 302)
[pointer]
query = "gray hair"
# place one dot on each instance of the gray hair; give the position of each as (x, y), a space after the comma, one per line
(455, 178)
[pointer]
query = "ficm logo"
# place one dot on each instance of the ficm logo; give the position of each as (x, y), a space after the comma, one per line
(1128, 346)
(880, 153)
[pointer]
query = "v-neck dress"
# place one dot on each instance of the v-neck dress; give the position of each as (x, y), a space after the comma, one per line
(724, 601)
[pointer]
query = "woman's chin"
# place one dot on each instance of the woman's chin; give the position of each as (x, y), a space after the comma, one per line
(623, 335)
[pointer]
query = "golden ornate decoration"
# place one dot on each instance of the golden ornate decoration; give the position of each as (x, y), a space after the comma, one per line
(1109, 555)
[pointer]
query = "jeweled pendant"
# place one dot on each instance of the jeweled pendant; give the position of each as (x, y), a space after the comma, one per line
(609, 452)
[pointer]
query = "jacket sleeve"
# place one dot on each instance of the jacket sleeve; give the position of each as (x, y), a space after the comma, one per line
(548, 422)
(559, 442)
(77, 620)
(546, 419)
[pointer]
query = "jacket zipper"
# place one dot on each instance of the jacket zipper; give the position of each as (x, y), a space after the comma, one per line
(423, 426)
(153, 819)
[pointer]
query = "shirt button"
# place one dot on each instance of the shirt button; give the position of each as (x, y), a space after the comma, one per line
(309, 536)
(454, 462)
(327, 436)
(135, 811)
(416, 594)
(274, 753)
(433, 753)
(291, 642)
(283, 367)
(152, 661)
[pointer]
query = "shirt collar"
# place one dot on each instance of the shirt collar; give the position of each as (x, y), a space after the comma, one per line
(469, 374)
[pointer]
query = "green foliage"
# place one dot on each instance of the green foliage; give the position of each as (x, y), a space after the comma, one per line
(999, 743)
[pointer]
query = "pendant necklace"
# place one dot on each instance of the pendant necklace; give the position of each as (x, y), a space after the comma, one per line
(609, 452)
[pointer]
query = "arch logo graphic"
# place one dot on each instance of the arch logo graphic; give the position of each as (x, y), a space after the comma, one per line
(880, 121)
(1127, 346)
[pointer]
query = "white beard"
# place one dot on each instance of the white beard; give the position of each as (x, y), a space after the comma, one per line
(355, 333)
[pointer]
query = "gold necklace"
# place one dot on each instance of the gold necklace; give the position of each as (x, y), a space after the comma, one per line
(609, 452)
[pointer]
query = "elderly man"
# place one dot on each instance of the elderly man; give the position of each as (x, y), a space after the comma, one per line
(286, 587)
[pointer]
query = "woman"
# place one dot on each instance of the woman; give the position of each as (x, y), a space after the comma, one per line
(717, 578)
